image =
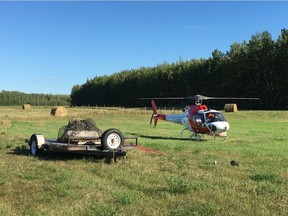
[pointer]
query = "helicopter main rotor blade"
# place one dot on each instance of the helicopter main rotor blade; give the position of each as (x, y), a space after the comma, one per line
(164, 98)
(230, 98)
(198, 98)
(201, 97)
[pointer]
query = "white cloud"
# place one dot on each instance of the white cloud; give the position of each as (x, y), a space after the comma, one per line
(54, 78)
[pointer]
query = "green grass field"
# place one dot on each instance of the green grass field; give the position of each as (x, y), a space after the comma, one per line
(186, 182)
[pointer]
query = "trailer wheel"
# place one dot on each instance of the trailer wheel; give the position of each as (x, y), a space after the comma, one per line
(33, 146)
(112, 139)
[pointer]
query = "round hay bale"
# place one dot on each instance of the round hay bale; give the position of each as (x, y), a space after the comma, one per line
(59, 111)
(230, 108)
(26, 106)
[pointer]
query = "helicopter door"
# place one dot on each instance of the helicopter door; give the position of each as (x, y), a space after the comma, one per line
(197, 121)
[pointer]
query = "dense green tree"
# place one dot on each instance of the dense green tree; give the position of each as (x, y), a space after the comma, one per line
(281, 70)
(257, 68)
(19, 98)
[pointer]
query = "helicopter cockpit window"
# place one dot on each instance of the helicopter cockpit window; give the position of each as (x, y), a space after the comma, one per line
(214, 117)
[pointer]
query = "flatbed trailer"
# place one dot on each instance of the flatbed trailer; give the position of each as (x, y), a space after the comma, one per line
(110, 144)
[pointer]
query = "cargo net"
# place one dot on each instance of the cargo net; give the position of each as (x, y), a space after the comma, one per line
(76, 127)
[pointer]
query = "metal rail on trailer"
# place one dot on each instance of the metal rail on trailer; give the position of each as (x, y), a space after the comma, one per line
(96, 150)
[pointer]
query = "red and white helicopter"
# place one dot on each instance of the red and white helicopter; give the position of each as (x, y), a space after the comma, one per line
(196, 118)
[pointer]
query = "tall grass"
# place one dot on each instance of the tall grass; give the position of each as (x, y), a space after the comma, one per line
(187, 182)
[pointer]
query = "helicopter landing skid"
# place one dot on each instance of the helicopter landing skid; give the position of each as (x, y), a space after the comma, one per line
(193, 136)
(197, 136)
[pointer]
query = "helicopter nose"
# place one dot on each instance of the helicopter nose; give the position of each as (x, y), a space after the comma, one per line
(218, 127)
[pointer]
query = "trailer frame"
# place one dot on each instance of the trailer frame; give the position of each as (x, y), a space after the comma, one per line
(110, 144)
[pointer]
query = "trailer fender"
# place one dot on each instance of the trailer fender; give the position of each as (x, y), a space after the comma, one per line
(36, 142)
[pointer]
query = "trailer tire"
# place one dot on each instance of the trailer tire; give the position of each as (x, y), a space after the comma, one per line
(112, 139)
(34, 146)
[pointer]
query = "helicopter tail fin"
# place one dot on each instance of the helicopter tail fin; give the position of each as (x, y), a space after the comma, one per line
(155, 114)
(154, 108)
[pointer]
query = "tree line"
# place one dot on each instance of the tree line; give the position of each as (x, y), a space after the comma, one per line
(257, 68)
(19, 98)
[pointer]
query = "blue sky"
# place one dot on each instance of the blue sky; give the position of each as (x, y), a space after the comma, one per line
(48, 47)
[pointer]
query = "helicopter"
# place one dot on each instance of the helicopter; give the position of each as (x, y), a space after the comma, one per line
(196, 118)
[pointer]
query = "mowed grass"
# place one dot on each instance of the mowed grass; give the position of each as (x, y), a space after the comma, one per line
(187, 182)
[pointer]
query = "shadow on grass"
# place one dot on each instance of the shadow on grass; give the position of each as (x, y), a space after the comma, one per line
(165, 138)
(66, 156)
